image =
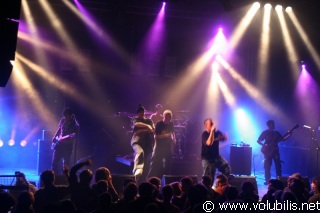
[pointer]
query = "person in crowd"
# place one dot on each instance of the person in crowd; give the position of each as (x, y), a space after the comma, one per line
(103, 173)
(248, 190)
(315, 185)
(49, 193)
(167, 193)
(80, 188)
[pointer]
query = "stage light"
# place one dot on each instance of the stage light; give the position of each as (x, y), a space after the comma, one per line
(256, 5)
(11, 142)
(23, 143)
(1, 143)
(288, 9)
(278, 8)
(267, 6)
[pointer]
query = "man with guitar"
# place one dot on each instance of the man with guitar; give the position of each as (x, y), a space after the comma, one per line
(63, 140)
(270, 148)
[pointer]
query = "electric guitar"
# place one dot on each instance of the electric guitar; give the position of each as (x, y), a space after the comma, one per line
(269, 149)
(61, 139)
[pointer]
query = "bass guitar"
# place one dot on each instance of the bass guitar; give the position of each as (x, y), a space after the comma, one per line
(61, 139)
(269, 149)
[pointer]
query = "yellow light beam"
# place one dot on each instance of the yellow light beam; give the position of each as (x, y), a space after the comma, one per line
(62, 85)
(24, 86)
(314, 54)
(291, 51)
(58, 26)
(243, 25)
(252, 91)
(264, 49)
(189, 76)
(99, 32)
(213, 95)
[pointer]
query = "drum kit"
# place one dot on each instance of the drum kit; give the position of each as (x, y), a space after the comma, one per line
(180, 121)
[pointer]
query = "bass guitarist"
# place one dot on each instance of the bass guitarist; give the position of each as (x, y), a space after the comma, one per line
(270, 149)
(63, 141)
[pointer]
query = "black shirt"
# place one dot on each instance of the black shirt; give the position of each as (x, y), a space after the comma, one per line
(210, 152)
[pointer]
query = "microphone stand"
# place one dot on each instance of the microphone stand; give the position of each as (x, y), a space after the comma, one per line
(314, 139)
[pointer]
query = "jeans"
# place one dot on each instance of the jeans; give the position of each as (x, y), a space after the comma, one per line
(141, 161)
(268, 163)
(210, 167)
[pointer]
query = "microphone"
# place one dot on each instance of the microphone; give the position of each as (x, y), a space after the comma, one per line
(308, 127)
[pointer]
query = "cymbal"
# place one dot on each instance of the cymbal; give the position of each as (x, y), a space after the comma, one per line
(128, 114)
(178, 126)
(183, 111)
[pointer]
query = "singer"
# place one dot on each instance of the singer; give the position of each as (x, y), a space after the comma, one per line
(211, 158)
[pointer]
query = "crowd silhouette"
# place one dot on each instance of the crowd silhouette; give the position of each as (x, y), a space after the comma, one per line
(89, 191)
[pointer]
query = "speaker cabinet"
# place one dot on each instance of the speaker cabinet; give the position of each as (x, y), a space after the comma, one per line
(240, 160)
(44, 155)
(238, 180)
(167, 179)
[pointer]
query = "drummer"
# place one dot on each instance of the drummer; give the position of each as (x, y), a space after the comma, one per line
(157, 116)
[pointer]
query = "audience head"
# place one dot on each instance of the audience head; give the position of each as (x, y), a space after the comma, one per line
(6, 201)
(276, 184)
(25, 200)
(289, 197)
(102, 186)
(186, 183)
(315, 184)
(47, 177)
(127, 181)
(155, 181)
(297, 186)
(231, 192)
(146, 190)
(207, 181)
(176, 186)
(197, 194)
(221, 180)
(102, 173)
(167, 192)
(86, 176)
(105, 200)
(130, 191)
(248, 187)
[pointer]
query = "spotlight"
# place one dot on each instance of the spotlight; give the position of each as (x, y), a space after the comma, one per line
(11, 142)
(23, 143)
(1, 143)
(256, 5)
(267, 6)
(278, 8)
(288, 9)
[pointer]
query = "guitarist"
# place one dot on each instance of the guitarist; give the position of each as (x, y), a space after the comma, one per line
(270, 149)
(63, 141)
